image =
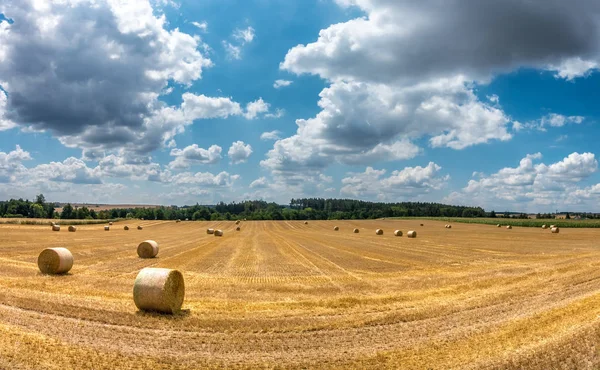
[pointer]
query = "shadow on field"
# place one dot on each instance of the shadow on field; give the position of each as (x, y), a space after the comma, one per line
(176, 316)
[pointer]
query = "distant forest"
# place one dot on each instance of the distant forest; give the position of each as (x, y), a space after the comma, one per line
(298, 209)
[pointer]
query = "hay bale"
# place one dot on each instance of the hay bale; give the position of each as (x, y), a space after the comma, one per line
(411, 234)
(178, 220)
(55, 227)
(551, 226)
(72, 229)
(110, 223)
(106, 228)
(139, 227)
(187, 219)
(422, 225)
(554, 230)
(210, 231)
(218, 232)
(398, 233)
(379, 232)
(125, 227)
(306, 222)
(508, 227)
(147, 249)
(355, 231)
(237, 228)
(237, 222)
(335, 228)
(498, 225)
(244, 219)
(55, 261)
(448, 226)
(159, 290)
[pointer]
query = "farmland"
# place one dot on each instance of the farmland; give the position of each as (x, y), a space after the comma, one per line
(527, 222)
(289, 294)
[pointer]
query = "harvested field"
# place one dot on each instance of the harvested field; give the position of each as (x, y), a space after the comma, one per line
(289, 294)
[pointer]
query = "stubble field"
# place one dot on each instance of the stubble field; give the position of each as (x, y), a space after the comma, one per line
(284, 294)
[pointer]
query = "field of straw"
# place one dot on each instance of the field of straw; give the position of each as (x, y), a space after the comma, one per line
(294, 295)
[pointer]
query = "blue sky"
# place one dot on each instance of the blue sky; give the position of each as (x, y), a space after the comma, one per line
(178, 102)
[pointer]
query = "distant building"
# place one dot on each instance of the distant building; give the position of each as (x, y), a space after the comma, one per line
(560, 216)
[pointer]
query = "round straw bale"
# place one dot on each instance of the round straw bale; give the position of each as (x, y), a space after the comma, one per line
(555, 230)
(187, 219)
(544, 227)
(218, 232)
(398, 233)
(379, 232)
(210, 231)
(237, 222)
(498, 225)
(306, 222)
(106, 228)
(159, 289)
(52, 223)
(355, 231)
(551, 226)
(72, 228)
(237, 228)
(449, 226)
(336, 228)
(178, 220)
(422, 225)
(508, 227)
(244, 219)
(125, 227)
(55, 261)
(147, 249)
(110, 223)
(139, 227)
(55, 227)
(411, 234)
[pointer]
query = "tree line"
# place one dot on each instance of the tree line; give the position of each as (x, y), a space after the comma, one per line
(298, 209)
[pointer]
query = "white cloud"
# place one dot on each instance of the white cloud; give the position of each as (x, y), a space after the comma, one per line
(71, 170)
(11, 164)
(233, 51)
(5, 123)
(261, 182)
(271, 135)
(203, 26)
(192, 155)
(573, 68)
(239, 152)
(409, 182)
(407, 71)
(242, 37)
(222, 179)
(549, 120)
(282, 83)
(278, 113)
(106, 86)
(531, 186)
(245, 35)
(253, 109)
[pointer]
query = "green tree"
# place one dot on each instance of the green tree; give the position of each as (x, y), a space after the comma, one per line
(67, 212)
(37, 211)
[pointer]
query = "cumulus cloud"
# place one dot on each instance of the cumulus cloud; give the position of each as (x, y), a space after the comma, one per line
(271, 135)
(253, 109)
(71, 170)
(192, 155)
(531, 185)
(407, 70)
(410, 181)
(239, 152)
(11, 164)
(282, 83)
(106, 81)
